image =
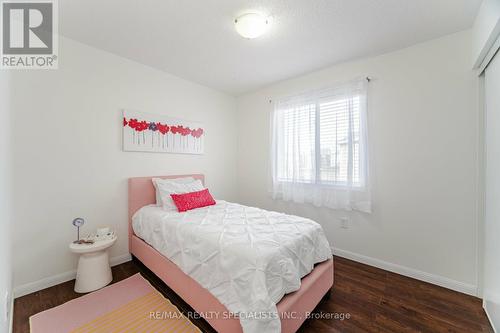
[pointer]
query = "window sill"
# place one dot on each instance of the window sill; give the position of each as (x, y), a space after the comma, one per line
(340, 187)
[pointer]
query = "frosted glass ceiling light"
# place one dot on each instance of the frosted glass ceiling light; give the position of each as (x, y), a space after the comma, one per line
(251, 25)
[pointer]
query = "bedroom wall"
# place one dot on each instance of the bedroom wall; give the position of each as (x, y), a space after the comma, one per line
(5, 217)
(486, 33)
(423, 133)
(67, 155)
(491, 267)
(485, 30)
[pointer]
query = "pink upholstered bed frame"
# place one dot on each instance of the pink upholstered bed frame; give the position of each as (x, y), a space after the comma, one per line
(314, 286)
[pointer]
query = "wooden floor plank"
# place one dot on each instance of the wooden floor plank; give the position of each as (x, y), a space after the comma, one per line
(376, 301)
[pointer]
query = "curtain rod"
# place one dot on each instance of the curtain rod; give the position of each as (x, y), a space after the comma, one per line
(367, 78)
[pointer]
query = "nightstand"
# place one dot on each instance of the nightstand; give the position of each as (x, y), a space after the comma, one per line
(93, 266)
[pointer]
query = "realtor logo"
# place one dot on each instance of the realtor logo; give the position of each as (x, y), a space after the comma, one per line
(29, 35)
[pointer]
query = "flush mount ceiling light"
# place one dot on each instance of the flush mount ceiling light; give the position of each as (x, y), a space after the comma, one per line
(251, 25)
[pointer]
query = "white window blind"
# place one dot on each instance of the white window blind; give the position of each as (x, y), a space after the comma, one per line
(319, 148)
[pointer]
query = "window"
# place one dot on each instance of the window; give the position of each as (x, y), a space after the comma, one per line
(319, 140)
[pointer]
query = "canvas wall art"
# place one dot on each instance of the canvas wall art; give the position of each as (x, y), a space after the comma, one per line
(161, 134)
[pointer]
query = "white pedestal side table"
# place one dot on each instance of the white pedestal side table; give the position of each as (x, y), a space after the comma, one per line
(93, 266)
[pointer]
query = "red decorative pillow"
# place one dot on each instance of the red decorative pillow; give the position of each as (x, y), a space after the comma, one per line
(192, 200)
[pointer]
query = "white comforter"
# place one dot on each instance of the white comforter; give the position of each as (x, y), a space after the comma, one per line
(246, 257)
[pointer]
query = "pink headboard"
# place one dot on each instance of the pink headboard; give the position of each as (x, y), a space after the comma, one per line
(141, 192)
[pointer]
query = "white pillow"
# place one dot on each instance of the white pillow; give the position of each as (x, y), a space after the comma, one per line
(155, 181)
(167, 188)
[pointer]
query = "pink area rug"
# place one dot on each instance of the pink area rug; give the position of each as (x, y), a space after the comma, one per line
(131, 305)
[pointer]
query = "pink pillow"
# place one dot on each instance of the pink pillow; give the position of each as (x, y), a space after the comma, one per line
(192, 200)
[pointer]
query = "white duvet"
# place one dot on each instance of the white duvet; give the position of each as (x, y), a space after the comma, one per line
(247, 257)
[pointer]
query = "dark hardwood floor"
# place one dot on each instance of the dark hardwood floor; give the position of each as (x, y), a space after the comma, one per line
(375, 301)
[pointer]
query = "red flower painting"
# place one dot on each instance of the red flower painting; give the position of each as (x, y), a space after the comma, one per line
(162, 136)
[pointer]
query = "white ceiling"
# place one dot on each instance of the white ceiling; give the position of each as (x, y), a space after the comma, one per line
(196, 40)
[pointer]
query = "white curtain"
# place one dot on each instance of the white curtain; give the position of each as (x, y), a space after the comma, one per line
(319, 148)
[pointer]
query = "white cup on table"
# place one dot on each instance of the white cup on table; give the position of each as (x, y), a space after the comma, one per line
(102, 232)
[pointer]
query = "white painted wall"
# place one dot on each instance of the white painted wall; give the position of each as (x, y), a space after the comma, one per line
(423, 127)
(67, 155)
(485, 30)
(5, 217)
(491, 275)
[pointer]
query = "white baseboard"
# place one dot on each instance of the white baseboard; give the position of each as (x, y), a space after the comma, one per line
(445, 282)
(120, 259)
(11, 315)
(50, 281)
(406, 271)
(489, 317)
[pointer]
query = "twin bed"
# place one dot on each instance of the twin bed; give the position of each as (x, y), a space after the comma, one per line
(269, 268)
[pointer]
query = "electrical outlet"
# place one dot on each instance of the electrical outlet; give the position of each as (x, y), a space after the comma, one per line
(344, 223)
